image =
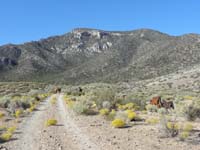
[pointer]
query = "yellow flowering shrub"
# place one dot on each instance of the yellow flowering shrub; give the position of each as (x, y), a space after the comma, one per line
(31, 108)
(18, 113)
(6, 136)
(43, 96)
(144, 112)
(187, 127)
(70, 103)
(104, 111)
(1, 115)
(94, 105)
(119, 107)
(129, 106)
(152, 120)
(51, 122)
(188, 97)
(118, 123)
(183, 135)
(53, 100)
(173, 125)
(113, 112)
(11, 129)
(131, 114)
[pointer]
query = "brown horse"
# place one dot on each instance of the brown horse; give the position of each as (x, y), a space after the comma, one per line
(156, 101)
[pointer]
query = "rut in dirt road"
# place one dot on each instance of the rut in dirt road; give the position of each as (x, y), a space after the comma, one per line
(34, 135)
(82, 140)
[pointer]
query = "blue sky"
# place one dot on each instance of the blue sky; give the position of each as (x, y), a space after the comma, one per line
(28, 20)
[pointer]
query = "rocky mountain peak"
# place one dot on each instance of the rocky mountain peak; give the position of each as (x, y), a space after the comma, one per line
(90, 55)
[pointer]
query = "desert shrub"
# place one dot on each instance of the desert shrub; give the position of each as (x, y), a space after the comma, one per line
(187, 127)
(83, 106)
(144, 112)
(70, 103)
(3, 128)
(18, 103)
(122, 115)
(104, 111)
(111, 115)
(106, 104)
(2, 115)
(169, 127)
(162, 111)
(184, 135)
(51, 122)
(152, 120)
(5, 136)
(18, 113)
(65, 97)
(75, 91)
(131, 115)
(188, 97)
(137, 99)
(118, 123)
(41, 97)
(79, 108)
(4, 101)
(32, 108)
(120, 106)
(11, 129)
(102, 95)
(53, 100)
(192, 111)
(129, 106)
(151, 108)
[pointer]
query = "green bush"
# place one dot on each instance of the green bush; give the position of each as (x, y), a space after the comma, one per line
(4, 101)
(104, 112)
(192, 111)
(172, 128)
(152, 120)
(83, 106)
(183, 135)
(151, 108)
(162, 111)
(104, 95)
(122, 115)
(111, 115)
(138, 99)
(169, 128)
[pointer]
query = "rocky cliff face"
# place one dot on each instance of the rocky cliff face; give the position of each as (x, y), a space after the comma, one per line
(89, 55)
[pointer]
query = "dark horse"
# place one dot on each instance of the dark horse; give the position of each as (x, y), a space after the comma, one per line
(167, 104)
(58, 90)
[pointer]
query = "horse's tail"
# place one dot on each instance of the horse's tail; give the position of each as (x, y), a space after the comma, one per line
(160, 104)
(172, 105)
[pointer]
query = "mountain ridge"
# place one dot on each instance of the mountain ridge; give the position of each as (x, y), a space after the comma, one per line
(91, 55)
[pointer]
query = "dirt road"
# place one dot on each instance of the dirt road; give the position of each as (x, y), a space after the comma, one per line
(32, 134)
